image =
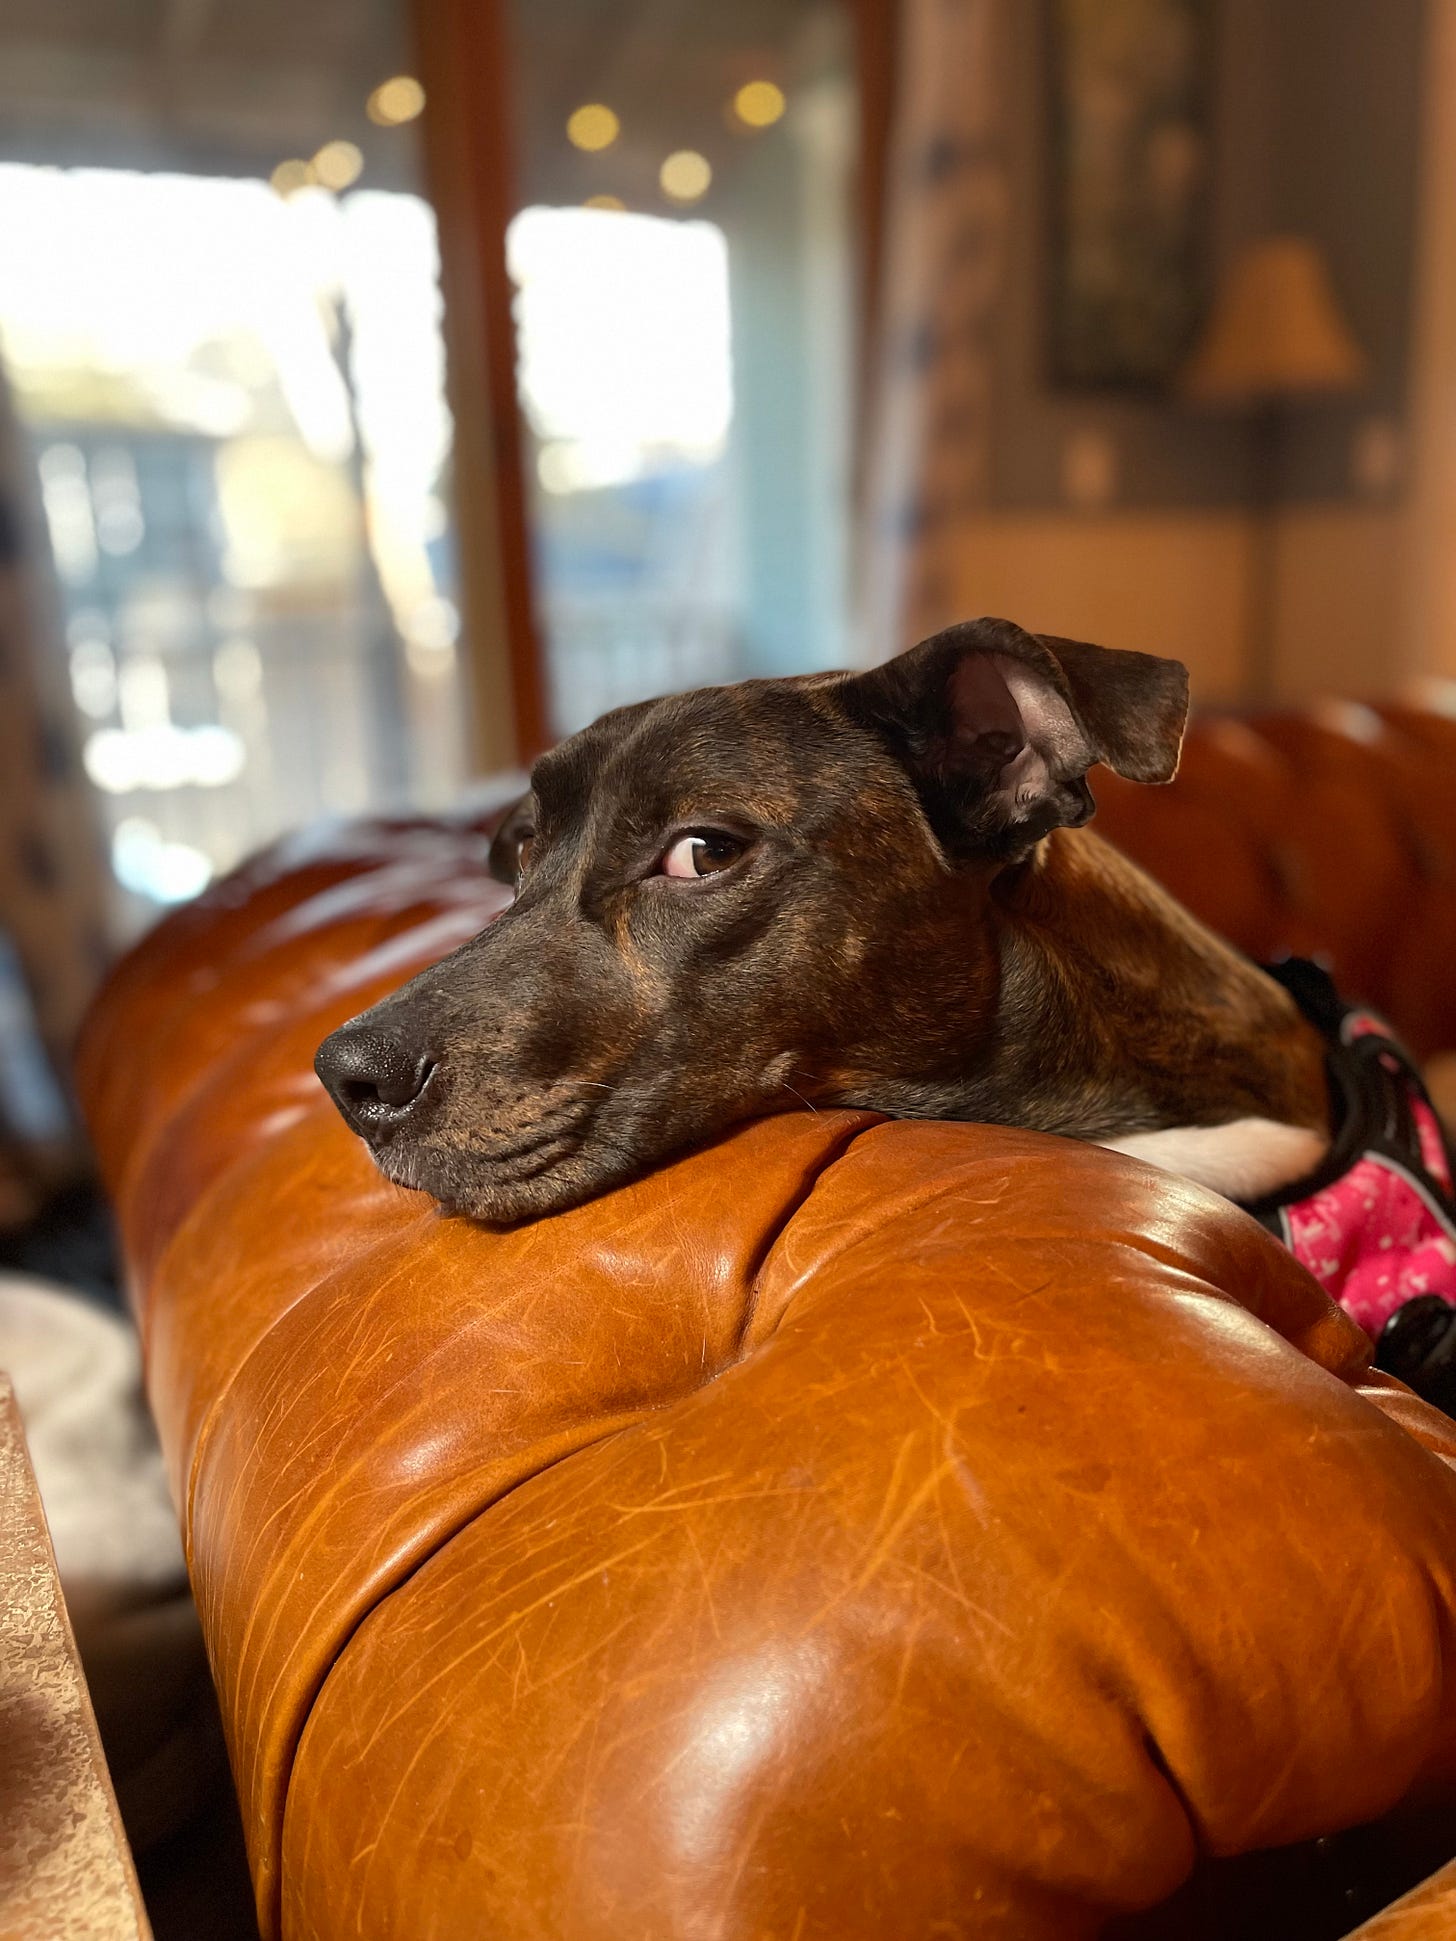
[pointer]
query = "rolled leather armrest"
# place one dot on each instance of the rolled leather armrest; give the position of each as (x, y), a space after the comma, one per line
(854, 1529)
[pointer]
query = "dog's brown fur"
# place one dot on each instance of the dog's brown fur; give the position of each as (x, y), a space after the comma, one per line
(1159, 1020)
(916, 925)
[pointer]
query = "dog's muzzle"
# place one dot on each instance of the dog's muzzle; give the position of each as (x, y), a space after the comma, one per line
(375, 1081)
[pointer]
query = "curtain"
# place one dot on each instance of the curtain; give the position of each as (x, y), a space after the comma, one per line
(943, 259)
(53, 934)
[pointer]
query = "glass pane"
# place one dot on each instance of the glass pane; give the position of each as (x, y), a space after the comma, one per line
(230, 363)
(683, 265)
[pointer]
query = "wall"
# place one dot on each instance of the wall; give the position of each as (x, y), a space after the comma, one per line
(1316, 129)
(1171, 582)
(1179, 581)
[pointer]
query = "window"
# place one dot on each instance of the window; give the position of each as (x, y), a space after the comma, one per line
(234, 387)
(684, 310)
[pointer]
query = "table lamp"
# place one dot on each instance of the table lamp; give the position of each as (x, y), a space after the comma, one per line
(1275, 335)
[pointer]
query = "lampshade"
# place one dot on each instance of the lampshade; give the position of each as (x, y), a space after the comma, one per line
(1275, 331)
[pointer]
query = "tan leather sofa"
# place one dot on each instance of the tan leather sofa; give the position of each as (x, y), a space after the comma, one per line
(857, 1529)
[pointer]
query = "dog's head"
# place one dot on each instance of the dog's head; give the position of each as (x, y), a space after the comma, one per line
(741, 899)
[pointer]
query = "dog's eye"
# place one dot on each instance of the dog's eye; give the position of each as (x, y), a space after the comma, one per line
(704, 853)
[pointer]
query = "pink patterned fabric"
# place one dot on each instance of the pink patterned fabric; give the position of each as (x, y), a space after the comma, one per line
(1379, 1235)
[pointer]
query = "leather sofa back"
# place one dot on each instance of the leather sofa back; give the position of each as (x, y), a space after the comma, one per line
(854, 1529)
(1330, 833)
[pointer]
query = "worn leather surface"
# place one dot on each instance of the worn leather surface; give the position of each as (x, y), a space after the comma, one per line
(1331, 833)
(855, 1529)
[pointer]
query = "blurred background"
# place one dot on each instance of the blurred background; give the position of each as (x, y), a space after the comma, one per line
(387, 387)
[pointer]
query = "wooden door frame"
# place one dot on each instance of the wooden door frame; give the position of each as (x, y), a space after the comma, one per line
(464, 66)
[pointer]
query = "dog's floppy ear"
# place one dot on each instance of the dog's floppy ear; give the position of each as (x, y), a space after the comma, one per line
(515, 827)
(998, 727)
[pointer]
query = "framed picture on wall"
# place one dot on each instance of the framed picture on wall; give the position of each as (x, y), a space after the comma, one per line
(1129, 124)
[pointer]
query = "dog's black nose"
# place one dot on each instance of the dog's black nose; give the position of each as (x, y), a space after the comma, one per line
(372, 1078)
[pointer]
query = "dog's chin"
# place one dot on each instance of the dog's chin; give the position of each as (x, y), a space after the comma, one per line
(505, 1195)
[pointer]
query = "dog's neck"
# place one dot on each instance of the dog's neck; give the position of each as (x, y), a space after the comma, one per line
(1120, 1014)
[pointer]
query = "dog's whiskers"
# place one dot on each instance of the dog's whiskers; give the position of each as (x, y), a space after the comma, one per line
(799, 1096)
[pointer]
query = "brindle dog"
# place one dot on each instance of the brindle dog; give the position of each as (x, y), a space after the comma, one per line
(849, 889)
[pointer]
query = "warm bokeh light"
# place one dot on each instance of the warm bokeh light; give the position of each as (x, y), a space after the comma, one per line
(685, 175)
(291, 176)
(759, 104)
(396, 100)
(338, 165)
(592, 127)
(604, 202)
